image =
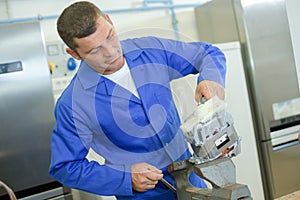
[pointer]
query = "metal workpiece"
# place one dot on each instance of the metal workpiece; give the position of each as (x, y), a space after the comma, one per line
(219, 173)
(211, 134)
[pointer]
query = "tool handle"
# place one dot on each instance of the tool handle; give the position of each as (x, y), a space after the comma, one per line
(166, 183)
(202, 100)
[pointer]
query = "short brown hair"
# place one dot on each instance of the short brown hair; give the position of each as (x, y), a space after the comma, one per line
(77, 21)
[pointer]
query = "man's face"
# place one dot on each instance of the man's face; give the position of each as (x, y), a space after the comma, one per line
(101, 50)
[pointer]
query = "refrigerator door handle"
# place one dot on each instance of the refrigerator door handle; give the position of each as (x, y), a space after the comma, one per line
(284, 138)
(285, 145)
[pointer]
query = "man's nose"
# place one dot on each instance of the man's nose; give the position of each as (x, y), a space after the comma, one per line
(108, 49)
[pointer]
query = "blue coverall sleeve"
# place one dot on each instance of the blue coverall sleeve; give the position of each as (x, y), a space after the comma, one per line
(70, 166)
(195, 57)
(213, 64)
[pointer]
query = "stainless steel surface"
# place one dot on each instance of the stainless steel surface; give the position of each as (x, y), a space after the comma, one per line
(60, 193)
(26, 107)
(263, 30)
(272, 77)
(216, 22)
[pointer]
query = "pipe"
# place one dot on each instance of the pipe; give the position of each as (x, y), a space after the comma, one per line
(7, 9)
(145, 8)
(173, 14)
(148, 8)
(174, 21)
(10, 192)
(39, 17)
(171, 6)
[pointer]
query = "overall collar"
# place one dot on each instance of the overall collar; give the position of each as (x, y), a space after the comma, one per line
(90, 78)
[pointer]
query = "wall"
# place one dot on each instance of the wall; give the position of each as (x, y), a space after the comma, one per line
(157, 22)
(124, 22)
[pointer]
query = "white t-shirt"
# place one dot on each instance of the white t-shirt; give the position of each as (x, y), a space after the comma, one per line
(123, 78)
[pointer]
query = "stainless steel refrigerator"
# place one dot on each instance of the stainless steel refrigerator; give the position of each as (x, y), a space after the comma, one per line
(26, 113)
(262, 28)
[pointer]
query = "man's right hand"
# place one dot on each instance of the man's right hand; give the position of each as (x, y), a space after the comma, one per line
(144, 176)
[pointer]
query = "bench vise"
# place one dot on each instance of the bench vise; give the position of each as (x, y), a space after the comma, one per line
(213, 139)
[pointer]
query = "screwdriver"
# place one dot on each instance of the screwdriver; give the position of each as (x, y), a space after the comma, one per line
(166, 183)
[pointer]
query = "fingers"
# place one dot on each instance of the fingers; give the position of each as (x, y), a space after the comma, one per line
(144, 185)
(144, 176)
(154, 175)
(208, 89)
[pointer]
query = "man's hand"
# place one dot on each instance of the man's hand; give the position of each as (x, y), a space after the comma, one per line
(208, 89)
(144, 176)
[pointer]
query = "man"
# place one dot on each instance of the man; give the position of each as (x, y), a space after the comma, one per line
(119, 105)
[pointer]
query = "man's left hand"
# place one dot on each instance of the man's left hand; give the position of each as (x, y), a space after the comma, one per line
(208, 89)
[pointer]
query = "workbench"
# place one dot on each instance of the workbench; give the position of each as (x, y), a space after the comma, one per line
(292, 196)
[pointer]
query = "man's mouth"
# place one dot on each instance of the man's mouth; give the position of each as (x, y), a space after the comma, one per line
(112, 61)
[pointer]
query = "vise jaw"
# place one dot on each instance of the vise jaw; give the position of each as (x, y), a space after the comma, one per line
(220, 173)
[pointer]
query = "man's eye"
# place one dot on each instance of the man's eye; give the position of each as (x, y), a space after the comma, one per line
(94, 51)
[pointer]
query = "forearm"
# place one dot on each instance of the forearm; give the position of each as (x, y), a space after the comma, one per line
(70, 166)
(196, 57)
(213, 65)
(93, 178)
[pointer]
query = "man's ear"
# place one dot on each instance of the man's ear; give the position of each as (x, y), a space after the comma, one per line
(73, 53)
(107, 18)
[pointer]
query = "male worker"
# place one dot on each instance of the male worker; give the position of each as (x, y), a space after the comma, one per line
(119, 105)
